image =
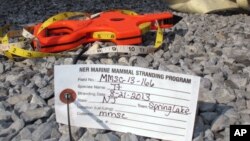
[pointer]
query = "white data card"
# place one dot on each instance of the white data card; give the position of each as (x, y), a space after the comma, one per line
(141, 101)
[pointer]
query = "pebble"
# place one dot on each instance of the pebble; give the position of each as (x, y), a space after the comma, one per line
(220, 123)
(37, 113)
(129, 137)
(17, 98)
(1, 68)
(107, 137)
(224, 95)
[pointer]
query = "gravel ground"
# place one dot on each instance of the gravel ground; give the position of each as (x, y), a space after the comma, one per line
(215, 47)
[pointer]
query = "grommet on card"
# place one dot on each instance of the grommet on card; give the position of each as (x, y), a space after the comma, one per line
(68, 96)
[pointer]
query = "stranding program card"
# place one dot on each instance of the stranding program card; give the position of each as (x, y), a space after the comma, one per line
(141, 101)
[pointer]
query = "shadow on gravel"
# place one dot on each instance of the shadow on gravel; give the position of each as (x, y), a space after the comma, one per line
(209, 117)
(232, 12)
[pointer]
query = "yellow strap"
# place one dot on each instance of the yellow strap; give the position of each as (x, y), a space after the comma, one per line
(159, 36)
(28, 53)
(58, 17)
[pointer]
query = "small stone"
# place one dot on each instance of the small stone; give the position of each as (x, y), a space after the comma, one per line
(240, 80)
(149, 58)
(141, 62)
(209, 135)
(94, 131)
(107, 61)
(17, 98)
(40, 83)
(77, 132)
(87, 137)
(220, 123)
(89, 62)
(167, 55)
(198, 138)
(46, 92)
(174, 68)
(153, 140)
(42, 132)
(14, 127)
(5, 115)
(199, 126)
(224, 95)
(158, 54)
(32, 115)
(206, 101)
(107, 137)
(23, 106)
(68, 61)
(232, 115)
(245, 119)
(25, 133)
(123, 61)
(37, 100)
(240, 104)
(128, 137)
(206, 83)
(1, 68)
(209, 116)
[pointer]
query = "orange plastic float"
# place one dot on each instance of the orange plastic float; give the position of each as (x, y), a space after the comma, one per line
(122, 29)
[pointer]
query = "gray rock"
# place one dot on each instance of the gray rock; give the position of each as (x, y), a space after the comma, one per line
(1, 68)
(25, 133)
(64, 138)
(107, 137)
(199, 126)
(37, 100)
(107, 61)
(77, 132)
(152, 140)
(42, 132)
(242, 94)
(23, 106)
(209, 135)
(158, 54)
(208, 117)
(17, 98)
(87, 137)
(232, 115)
(248, 87)
(167, 55)
(94, 131)
(141, 62)
(220, 123)
(32, 115)
(245, 119)
(198, 138)
(226, 134)
(55, 133)
(149, 58)
(123, 61)
(52, 139)
(5, 115)
(68, 61)
(206, 83)
(3, 92)
(207, 103)
(128, 137)
(15, 127)
(240, 103)
(39, 81)
(240, 80)
(224, 95)
(46, 92)
(248, 104)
